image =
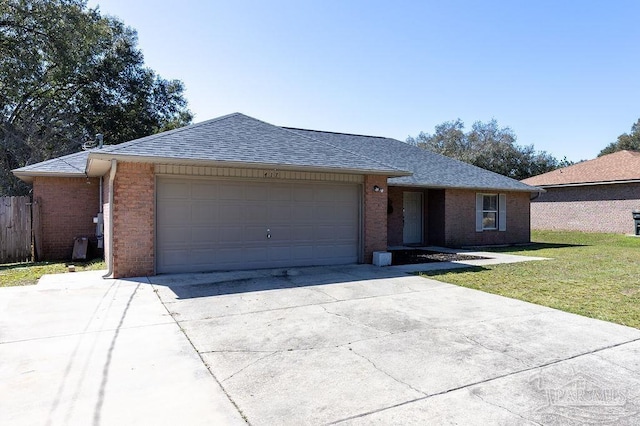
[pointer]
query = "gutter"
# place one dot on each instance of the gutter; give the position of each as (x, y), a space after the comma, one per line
(244, 165)
(112, 176)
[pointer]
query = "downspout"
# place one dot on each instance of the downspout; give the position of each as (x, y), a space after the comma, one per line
(112, 176)
(100, 219)
(536, 196)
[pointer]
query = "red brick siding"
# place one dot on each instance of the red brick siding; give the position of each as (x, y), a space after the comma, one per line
(394, 220)
(375, 216)
(598, 208)
(460, 220)
(133, 220)
(67, 206)
(436, 224)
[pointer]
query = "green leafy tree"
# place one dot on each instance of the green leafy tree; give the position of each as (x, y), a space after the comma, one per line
(488, 146)
(628, 141)
(67, 73)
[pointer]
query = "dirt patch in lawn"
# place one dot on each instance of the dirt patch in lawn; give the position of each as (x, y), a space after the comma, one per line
(414, 256)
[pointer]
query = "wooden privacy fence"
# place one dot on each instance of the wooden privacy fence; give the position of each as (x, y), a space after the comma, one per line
(15, 229)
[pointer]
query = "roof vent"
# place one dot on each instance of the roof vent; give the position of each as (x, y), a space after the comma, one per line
(94, 143)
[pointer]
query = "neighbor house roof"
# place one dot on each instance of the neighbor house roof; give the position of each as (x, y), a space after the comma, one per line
(429, 169)
(618, 167)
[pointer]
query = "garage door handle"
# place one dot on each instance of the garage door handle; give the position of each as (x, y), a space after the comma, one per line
(268, 234)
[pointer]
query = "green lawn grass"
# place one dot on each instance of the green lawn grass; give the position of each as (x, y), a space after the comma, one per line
(595, 275)
(17, 274)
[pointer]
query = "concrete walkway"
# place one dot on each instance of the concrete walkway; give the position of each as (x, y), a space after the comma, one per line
(330, 345)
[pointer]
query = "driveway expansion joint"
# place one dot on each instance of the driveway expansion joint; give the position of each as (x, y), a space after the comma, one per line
(489, 380)
(242, 414)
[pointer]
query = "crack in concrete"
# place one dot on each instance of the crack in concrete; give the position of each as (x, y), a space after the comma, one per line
(616, 364)
(506, 409)
(250, 364)
(472, 340)
(480, 382)
(387, 374)
(317, 290)
(358, 323)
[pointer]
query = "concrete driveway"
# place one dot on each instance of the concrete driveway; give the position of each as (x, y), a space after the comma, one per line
(346, 345)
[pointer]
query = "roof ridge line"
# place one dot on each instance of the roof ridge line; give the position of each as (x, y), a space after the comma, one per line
(340, 148)
(170, 132)
(336, 133)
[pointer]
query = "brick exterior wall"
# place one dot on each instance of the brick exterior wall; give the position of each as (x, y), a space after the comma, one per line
(134, 220)
(460, 220)
(597, 208)
(375, 216)
(395, 221)
(67, 206)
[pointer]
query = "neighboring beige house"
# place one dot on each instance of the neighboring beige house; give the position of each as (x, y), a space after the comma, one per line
(238, 193)
(593, 196)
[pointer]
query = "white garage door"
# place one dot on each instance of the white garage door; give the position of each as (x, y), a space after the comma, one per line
(208, 225)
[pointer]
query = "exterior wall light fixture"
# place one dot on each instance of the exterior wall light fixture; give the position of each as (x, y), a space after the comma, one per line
(376, 188)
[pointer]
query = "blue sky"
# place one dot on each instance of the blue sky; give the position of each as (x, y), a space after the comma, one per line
(564, 75)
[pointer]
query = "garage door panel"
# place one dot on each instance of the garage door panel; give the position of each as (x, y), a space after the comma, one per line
(203, 212)
(231, 233)
(179, 190)
(280, 213)
(255, 193)
(254, 235)
(176, 235)
(302, 233)
(206, 235)
(174, 212)
(279, 193)
(303, 193)
(203, 191)
(231, 191)
(208, 224)
(323, 213)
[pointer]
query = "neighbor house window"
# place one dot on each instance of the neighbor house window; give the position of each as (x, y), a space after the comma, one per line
(491, 212)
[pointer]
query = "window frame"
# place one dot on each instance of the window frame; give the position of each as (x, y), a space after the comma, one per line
(501, 212)
(496, 212)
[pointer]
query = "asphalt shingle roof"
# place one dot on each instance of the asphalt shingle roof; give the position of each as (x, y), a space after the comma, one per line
(237, 138)
(429, 169)
(72, 164)
(619, 166)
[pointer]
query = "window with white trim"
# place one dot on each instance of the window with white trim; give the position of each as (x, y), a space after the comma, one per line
(491, 212)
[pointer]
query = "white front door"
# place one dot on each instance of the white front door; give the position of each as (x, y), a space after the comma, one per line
(412, 211)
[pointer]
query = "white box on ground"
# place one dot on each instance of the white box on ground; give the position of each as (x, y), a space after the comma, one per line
(382, 258)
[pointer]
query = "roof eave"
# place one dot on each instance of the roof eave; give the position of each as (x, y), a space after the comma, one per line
(28, 176)
(91, 165)
(532, 189)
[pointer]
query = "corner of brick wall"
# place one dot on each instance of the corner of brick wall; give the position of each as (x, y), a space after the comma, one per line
(67, 208)
(133, 220)
(460, 220)
(375, 216)
(395, 223)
